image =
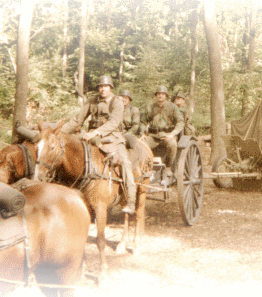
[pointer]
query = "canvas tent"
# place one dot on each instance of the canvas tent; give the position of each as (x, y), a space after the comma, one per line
(249, 126)
(245, 141)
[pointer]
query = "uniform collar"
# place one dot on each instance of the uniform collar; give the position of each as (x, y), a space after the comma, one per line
(107, 99)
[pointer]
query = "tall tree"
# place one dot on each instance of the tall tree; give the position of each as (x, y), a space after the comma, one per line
(193, 27)
(26, 14)
(249, 42)
(65, 36)
(216, 83)
(85, 14)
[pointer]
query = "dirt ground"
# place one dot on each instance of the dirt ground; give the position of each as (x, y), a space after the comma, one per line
(220, 254)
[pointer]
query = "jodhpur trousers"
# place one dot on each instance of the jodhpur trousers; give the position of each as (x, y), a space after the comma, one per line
(169, 148)
(127, 173)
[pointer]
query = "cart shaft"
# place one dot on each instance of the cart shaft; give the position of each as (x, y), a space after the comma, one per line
(214, 175)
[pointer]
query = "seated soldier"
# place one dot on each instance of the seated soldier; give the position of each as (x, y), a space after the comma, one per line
(131, 117)
(106, 112)
(180, 100)
(161, 122)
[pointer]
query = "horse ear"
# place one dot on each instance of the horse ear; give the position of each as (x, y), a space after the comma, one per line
(60, 124)
(41, 125)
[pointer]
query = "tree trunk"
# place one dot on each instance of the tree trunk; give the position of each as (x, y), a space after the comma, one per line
(27, 7)
(121, 67)
(194, 20)
(251, 40)
(86, 5)
(217, 85)
(65, 37)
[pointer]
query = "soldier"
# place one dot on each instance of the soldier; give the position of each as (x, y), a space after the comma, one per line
(131, 118)
(161, 122)
(180, 100)
(105, 114)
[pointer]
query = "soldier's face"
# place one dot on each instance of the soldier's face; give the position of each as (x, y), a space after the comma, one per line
(104, 90)
(126, 100)
(179, 101)
(161, 97)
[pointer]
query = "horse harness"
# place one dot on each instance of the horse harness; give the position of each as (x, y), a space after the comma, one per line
(28, 160)
(90, 171)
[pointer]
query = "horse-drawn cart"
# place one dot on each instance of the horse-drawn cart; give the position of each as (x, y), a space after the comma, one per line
(242, 165)
(188, 177)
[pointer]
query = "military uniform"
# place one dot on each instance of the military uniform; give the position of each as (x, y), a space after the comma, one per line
(189, 128)
(105, 116)
(157, 122)
(131, 119)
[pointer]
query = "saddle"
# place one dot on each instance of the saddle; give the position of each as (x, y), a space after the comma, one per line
(111, 150)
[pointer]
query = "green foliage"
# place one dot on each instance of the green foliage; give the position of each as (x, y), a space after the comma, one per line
(155, 37)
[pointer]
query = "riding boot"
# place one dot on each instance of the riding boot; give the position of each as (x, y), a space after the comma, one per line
(130, 208)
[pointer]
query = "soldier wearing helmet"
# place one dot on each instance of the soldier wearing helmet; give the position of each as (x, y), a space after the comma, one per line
(161, 122)
(180, 100)
(104, 113)
(131, 117)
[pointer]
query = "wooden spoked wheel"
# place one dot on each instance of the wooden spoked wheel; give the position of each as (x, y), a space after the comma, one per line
(190, 182)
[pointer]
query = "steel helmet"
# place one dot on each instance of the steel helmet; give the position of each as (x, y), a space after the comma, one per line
(126, 93)
(161, 89)
(105, 80)
(180, 95)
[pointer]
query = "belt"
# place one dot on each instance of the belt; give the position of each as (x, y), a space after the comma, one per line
(157, 130)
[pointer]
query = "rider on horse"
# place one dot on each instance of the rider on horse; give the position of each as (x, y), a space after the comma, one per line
(105, 114)
(161, 122)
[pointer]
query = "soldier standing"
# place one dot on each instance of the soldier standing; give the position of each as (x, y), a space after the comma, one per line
(161, 122)
(105, 114)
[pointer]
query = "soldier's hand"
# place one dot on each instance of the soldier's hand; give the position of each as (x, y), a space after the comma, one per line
(168, 137)
(143, 137)
(89, 135)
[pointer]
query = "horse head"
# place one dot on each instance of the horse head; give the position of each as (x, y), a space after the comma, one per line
(51, 149)
(17, 161)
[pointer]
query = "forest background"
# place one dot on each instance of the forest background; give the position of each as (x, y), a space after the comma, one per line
(141, 44)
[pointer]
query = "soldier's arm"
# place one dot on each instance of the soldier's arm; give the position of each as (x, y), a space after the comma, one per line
(143, 120)
(135, 121)
(180, 124)
(77, 121)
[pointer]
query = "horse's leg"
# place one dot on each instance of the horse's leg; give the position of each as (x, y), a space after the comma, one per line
(121, 247)
(139, 221)
(101, 218)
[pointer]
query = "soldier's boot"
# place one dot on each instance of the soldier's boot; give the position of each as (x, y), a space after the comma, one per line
(130, 208)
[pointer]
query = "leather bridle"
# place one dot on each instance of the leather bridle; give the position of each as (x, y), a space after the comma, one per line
(51, 171)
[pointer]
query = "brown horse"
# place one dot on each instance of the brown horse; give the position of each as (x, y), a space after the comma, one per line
(65, 154)
(57, 222)
(17, 161)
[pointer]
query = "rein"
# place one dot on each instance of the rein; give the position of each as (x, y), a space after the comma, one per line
(29, 163)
